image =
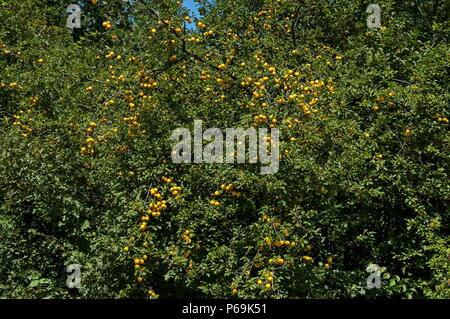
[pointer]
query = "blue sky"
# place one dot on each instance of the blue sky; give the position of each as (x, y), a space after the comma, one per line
(191, 6)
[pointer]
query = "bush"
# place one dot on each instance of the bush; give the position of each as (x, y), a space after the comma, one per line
(365, 150)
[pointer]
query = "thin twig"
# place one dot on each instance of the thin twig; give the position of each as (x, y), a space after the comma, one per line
(402, 81)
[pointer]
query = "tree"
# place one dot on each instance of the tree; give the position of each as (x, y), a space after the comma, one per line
(87, 175)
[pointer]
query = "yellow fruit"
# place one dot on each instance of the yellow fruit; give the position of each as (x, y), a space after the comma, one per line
(259, 282)
(126, 249)
(408, 132)
(268, 286)
(139, 279)
(234, 291)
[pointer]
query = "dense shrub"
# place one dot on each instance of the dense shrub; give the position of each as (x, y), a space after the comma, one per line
(85, 140)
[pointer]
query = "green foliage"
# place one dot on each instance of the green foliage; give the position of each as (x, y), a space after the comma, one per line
(85, 140)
